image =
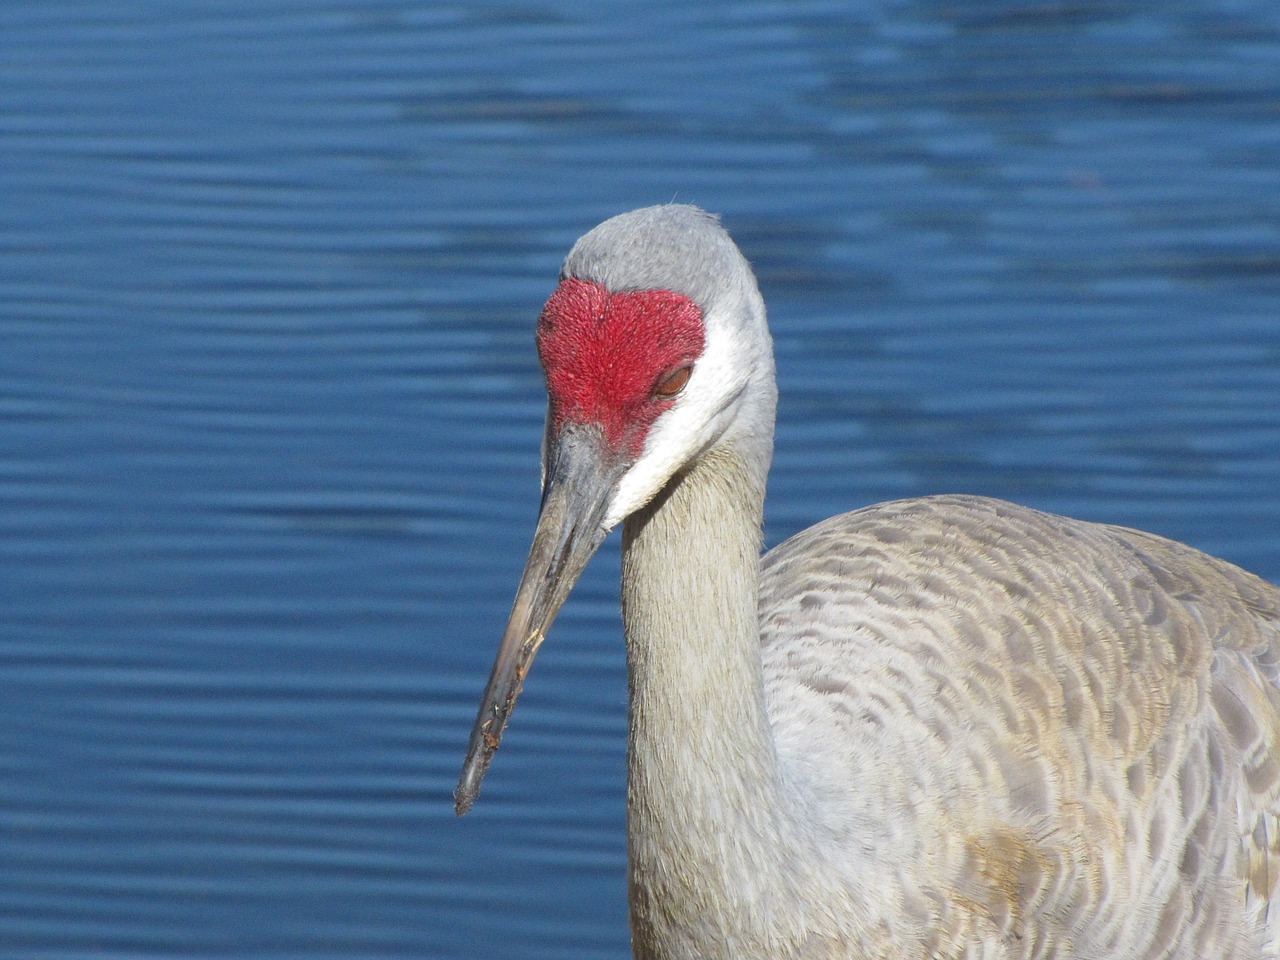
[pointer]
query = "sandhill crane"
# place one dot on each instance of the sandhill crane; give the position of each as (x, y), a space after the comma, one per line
(941, 727)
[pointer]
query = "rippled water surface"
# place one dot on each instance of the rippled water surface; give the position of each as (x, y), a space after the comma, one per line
(270, 412)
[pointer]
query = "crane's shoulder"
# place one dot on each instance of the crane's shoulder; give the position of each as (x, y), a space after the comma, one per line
(927, 550)
(1081, 687)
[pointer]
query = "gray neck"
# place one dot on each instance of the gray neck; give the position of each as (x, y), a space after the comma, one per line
(727, 854)
(704, 804)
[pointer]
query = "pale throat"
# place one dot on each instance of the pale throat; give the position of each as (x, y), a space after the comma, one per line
(691, 562)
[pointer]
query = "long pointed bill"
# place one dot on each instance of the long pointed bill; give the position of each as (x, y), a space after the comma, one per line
(581, 476)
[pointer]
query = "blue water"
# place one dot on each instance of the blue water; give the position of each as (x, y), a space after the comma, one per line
(270, 412)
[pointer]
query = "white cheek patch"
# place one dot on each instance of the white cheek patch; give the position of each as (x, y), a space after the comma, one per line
(699, 416)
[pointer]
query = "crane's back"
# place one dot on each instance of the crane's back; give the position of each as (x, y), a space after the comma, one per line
(1049, 737)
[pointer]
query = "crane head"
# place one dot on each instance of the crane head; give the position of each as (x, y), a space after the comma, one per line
(655, 349)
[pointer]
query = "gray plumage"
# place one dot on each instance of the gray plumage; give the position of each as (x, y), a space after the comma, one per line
(944, 727)
(1078, 724)
(675, 247)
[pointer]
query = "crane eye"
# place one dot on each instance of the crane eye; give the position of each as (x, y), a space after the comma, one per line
(671, 385)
